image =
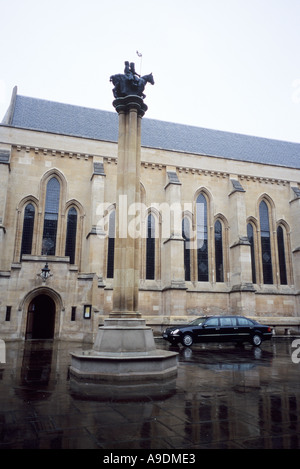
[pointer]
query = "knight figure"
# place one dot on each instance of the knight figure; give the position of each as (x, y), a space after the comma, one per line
(131, 83)
(131, 74)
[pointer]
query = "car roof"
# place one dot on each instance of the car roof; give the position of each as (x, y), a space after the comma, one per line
(223, 316)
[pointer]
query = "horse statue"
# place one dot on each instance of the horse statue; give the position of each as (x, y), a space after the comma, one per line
(130, 83)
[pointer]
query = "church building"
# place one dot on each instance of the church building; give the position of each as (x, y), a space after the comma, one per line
(219, 223)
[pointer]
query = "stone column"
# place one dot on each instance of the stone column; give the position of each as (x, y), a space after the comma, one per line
(96, 235)
(124, 350)
(174, 288)
(128, 226)
(5, 152)
(242, 296)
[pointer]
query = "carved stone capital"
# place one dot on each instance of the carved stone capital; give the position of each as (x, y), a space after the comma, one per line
(130, 102)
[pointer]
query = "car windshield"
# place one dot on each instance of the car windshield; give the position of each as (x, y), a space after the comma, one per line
(197, 322)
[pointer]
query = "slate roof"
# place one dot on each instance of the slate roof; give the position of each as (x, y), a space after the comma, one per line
(66, 119)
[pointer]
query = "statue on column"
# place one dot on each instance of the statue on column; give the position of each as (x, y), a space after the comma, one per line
(130, 83)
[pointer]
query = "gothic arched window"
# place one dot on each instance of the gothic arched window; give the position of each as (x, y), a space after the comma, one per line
(150, 248)
(219, 252)
(51, 217)
(71, 234)
(202, 239)
(281, 256)
(250, 235)
(265, 237)
(187, 251)
(111, 245)
(27, 234)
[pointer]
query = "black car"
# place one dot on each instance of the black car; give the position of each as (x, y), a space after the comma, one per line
(218, 329)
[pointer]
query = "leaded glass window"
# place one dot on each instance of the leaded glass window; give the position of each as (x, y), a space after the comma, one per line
(111, 245)
(51, 217)
(202, 239)
(187, 251)
(219, 252)
(71, 234)
(250, 235)
(265, 237)
(150, 248)
(281, 256)
(27, 234)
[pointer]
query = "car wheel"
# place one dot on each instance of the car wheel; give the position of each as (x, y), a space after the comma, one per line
(256, 340)
(187, 340)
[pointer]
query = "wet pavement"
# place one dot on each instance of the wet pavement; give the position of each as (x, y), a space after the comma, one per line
(224, 397)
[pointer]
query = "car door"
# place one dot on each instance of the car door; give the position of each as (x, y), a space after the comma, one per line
(210, 331)
(245, 328)
(228, 329)
(196, 329)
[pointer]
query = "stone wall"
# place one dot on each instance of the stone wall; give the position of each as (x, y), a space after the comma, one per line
(87, 171)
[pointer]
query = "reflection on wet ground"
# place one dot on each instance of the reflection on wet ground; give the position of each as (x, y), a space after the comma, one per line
(223, 397)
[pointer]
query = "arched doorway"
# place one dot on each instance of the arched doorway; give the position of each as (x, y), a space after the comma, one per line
(40, 318)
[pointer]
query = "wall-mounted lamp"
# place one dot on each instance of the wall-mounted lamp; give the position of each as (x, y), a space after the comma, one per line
(45, 272)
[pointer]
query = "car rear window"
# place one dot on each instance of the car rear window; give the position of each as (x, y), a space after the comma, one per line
(228, 322)
(244, 322)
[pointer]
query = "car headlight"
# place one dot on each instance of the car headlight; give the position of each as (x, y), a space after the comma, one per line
(175, 332)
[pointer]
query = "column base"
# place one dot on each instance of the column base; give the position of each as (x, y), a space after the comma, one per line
(124, 352)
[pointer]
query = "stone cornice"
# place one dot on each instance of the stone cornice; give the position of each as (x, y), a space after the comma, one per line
(53, 152)
(225, 175)
(154, 165)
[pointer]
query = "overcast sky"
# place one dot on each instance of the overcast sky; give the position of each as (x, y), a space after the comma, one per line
(229, 65)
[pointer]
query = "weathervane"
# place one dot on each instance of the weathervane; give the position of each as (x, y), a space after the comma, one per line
(141, 57)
